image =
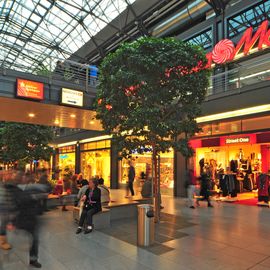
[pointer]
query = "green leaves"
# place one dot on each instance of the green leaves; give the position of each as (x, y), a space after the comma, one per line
(24, 142)
(154, 83)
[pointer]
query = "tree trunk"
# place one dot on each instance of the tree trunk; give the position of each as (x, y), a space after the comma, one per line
(156, 186)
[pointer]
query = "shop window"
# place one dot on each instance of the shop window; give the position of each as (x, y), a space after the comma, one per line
(226, 127)
(66, 162)
(96, 145)
(101, 144)
(96, 163)
(67, 149)
(108, 143)
(88, 146)
(258, 123)
(143, 165)
(205, 130)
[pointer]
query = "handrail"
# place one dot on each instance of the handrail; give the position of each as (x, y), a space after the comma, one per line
(58, 69)
(236, 78)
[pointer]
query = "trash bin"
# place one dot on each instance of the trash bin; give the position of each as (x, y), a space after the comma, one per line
(146, 226)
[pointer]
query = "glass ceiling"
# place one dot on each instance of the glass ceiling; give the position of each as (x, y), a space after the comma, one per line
(32, 32)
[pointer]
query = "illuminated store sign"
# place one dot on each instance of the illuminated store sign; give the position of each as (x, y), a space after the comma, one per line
(30, 89)
(225, 50)
(237, 140)
(72, 97)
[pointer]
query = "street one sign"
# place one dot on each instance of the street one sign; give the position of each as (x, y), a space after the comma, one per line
(30, 89)
(225, 50)
(72, 97)
(237, 140)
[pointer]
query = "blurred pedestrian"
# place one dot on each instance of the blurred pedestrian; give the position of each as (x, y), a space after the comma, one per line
(6, 210)
(25, 197)
(205, 188)
(44, 180)
(131, 178)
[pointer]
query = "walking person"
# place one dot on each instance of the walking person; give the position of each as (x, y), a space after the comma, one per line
(92, 205)
(205, 188)
(191, 188)
(25, 198)
(44, 180)
(131, 178)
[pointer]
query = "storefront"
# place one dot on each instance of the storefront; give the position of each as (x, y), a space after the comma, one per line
(96, 160)
(143, 166)
(242, 157)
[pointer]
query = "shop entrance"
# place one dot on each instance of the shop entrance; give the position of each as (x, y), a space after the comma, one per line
(143, 167)
(234, 166)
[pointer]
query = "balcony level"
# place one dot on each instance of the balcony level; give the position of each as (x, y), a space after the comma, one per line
(245, 85)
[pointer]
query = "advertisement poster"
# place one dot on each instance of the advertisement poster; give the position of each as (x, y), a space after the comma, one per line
(30, 89)
(72, 97)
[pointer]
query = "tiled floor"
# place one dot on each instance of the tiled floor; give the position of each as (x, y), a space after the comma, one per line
(167, 230)
(225, 237)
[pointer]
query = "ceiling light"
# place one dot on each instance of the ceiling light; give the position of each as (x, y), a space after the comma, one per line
(56, 122)
(73, 116)
(92, 122)
(31, 115)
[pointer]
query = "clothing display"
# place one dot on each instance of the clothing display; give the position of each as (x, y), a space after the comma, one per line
(234, 165)
(228, 184)
(263, 187)
(248, 183)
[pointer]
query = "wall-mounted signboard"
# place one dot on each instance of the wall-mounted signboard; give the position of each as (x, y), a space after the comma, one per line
(72, 97)
(30, 89)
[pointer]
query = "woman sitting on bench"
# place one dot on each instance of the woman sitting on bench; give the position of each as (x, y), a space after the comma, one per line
(92, 205)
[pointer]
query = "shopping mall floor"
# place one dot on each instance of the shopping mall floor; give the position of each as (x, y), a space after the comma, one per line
(224, 237)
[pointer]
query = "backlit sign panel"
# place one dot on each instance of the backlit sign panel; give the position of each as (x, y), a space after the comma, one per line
(30, 89)
(72, 97)
(237, 140)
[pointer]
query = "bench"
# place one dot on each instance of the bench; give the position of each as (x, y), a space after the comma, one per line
(142, 200)
(101, 220)
(123, 209)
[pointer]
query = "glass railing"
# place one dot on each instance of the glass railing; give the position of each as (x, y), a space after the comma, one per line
(237, 78)
(61, 70)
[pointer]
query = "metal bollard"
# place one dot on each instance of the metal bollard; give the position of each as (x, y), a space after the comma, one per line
(146, 226)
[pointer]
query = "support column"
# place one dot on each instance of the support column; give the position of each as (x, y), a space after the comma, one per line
(114, 167)
(55, 164)
(179, 175)
(77, 158)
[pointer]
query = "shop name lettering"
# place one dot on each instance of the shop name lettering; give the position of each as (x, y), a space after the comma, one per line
(237, 140)
(225, 50)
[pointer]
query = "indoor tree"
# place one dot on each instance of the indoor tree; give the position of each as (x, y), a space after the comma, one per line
(149, 95)
(24, 143)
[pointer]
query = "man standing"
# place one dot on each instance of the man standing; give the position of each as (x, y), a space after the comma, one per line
(131, 177)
